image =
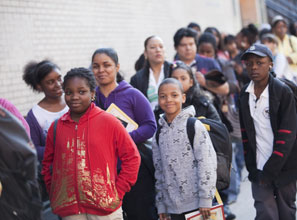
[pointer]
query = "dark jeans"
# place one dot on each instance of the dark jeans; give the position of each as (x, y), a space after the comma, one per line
(275, 203)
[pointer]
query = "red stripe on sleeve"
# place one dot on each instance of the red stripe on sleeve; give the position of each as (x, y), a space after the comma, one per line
(284, 131)
(244, 140)
(278, 153)
(280, 142)
(242, 129)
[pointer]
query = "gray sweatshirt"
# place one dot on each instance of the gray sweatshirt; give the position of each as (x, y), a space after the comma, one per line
(185, 176)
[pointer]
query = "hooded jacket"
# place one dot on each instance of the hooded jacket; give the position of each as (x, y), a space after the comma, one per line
(185, 176)
(135, 105)
(84, 164)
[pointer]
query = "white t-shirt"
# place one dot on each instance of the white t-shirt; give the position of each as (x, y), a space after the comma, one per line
(153, 86)
(264, 135)
(46, 118)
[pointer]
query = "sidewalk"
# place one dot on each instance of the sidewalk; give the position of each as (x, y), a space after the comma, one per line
(243, 208)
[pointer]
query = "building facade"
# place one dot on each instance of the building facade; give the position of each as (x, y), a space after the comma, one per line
(68, 31)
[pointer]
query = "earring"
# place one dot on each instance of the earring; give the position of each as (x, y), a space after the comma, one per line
(93, 99)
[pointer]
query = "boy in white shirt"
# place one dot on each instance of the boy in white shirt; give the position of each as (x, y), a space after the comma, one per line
(268, 125)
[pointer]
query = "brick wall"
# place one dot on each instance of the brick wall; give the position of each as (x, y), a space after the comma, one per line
(68, 31)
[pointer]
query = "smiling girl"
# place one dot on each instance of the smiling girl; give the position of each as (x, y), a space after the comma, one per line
(83, 151)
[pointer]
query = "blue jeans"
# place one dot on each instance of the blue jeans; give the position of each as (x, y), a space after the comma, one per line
(237, 166)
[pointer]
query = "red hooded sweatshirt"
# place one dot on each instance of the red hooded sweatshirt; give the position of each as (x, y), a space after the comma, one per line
(84, 157)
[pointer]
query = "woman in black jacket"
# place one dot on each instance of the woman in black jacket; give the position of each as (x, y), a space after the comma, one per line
(194, 95)
(155, 69)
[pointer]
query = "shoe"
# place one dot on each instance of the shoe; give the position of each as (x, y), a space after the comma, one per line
(230, 216)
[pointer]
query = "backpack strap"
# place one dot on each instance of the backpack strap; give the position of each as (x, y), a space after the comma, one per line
(55, 130)
(158, 134)
(191, 129)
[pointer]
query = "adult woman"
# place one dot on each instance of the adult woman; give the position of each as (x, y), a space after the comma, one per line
(44, 77)
(148, 79)
(139, 202)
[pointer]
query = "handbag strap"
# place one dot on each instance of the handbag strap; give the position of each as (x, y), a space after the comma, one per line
(218, 197)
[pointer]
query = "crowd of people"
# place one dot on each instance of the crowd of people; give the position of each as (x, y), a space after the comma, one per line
(90, 167)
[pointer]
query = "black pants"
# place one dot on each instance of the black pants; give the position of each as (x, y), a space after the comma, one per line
(139, 203)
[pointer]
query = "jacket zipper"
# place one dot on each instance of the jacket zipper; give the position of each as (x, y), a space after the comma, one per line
(76, 189)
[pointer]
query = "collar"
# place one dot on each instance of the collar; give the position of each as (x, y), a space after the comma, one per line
(250, 89)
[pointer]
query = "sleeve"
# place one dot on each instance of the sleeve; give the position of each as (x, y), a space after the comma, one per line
(130, 158)
(216, 65)
(228, 71)
(280, 67)
(133, 81)
(284, 137)
(48, 159)
(36, 136)
(11, 108)
(293, 44)
(158, 176)
(207, 165)
(144, 117)
(212, 112)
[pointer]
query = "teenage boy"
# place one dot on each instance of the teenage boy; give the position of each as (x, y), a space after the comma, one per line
(185, 44)
(268, 125)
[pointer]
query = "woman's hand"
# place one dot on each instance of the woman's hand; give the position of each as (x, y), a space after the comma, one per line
(164, 216)
(205, 212)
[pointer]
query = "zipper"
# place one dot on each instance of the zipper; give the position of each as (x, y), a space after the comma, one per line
(75, 164)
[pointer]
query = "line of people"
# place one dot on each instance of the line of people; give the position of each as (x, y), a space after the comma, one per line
(91, 168)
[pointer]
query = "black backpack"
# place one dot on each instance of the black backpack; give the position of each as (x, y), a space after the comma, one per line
(290, 84)
(221, 141)
(20, 198)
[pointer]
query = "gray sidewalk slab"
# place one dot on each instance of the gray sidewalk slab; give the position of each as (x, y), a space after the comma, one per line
(243, 208)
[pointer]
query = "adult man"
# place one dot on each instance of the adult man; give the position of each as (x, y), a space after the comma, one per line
(185, 43)
(287, 44)
(268, 125)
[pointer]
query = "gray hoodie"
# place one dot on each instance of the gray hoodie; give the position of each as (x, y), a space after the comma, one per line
(185, 177)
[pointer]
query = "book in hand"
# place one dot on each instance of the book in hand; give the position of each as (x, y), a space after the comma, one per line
(216, 213)
(128, 123)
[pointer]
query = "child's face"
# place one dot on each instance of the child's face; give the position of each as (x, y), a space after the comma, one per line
(78, 96)
(207, 50)
(171, 100)
(258, 67)
(231, 47)
(184, 78)
(51, 84)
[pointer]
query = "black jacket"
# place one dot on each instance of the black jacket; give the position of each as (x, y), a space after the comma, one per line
(281, 167)
(202, 105)
(140, 80)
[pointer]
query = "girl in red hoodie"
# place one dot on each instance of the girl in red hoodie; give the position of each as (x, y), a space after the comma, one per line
(83, 152)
